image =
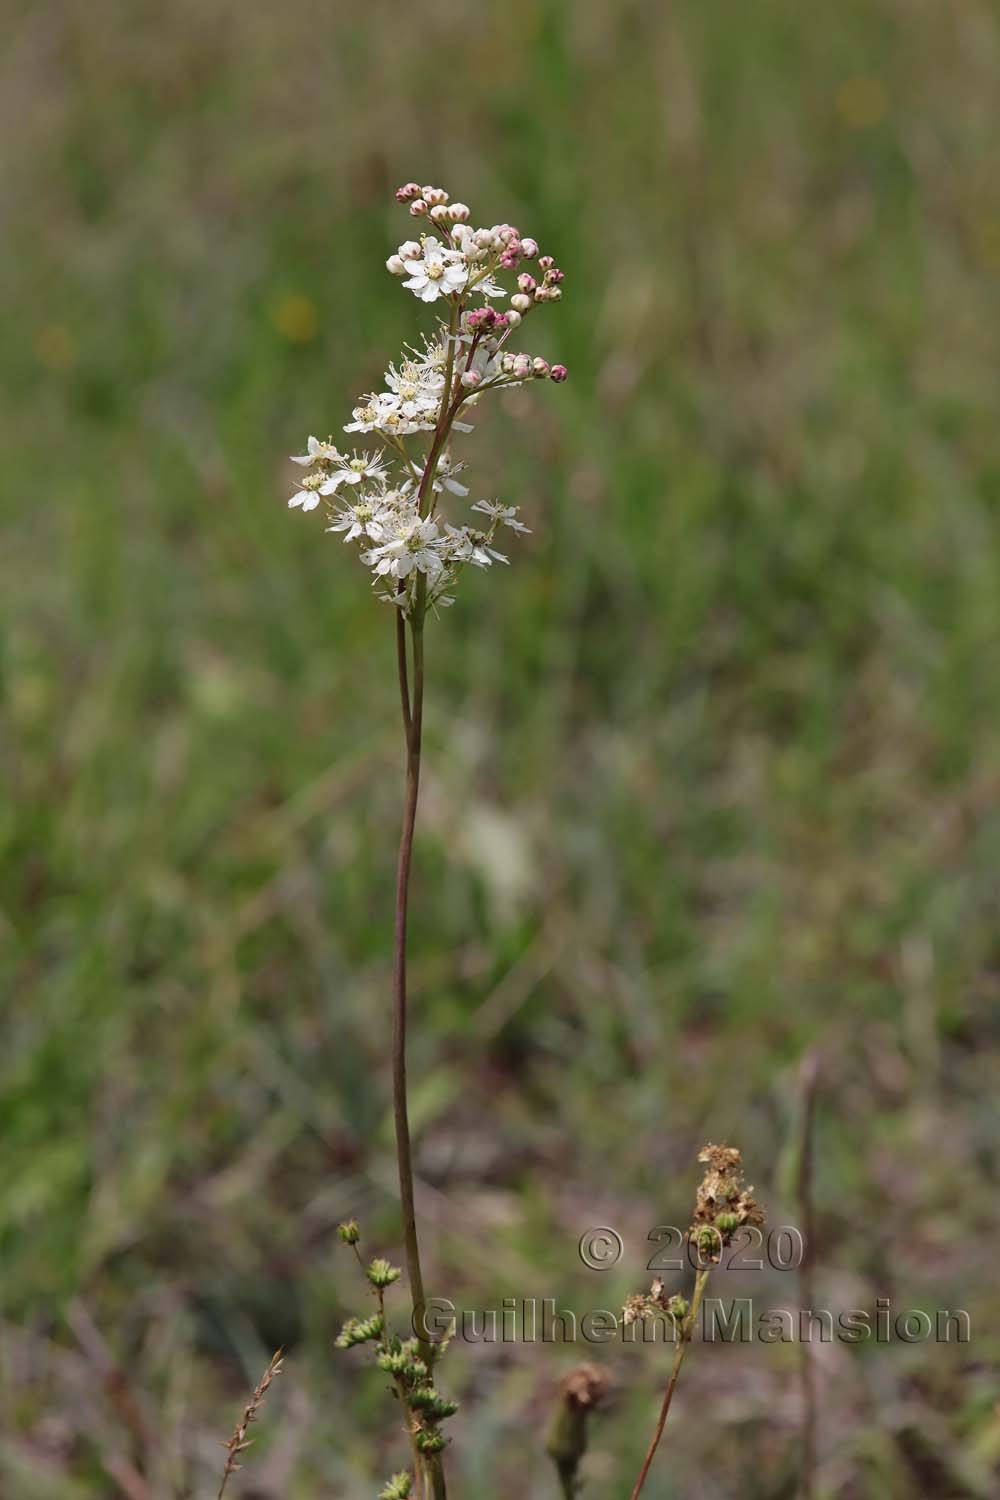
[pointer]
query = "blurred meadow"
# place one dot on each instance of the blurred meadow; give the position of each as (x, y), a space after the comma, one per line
(712, 771)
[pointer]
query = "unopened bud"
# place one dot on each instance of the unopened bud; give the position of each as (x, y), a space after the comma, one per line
(408, 192)
(459, 212)
(526, 283)
(439, 213)
(418, 207)
(546, 262)
(395, 265)
(520, 302)
(522, 366)
(543, 293)
(349, 1231)
(434, 195)
(558, 373)
(471, 378)
(553, 275)
(484, 238)
(529, 247)
(508, 260)
(539, 366)
(511, 318)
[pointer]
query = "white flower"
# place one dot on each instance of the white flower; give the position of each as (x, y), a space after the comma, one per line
(416, 544)
(368, 516)
(488, 286)
(444, 478)
(439, 273)
(417, 387)
(373, 415)
(317, 451)
(504, 513)
(308, 497)
(466, 545)
(363, 468)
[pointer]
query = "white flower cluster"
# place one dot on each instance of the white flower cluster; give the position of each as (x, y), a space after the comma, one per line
(387, 502)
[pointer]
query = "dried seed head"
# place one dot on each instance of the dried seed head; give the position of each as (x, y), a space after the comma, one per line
(723, 1204)
(586, 1386)
(581, 1392)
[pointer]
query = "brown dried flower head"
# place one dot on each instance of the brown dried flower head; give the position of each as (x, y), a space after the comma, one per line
(586, 1386)
(723, 1204)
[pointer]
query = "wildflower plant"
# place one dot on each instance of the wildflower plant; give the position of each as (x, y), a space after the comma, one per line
(394, 501)
(723, 1205)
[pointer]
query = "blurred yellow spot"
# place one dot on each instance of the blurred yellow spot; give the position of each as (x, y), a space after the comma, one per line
(54, 347)
(295, 318)
(862, 102)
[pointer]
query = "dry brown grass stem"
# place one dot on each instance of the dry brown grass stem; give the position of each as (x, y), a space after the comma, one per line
(239, 1442)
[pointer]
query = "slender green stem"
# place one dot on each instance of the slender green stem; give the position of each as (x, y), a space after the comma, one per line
(668, 1395)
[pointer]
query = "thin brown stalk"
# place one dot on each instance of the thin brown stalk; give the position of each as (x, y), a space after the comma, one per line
(809, 1078)
(668, 1395)
(411, 697)
(239, 1442)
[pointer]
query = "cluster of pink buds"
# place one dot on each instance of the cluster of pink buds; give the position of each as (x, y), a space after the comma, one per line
(523, 367)
(432, 202)
(485, 319)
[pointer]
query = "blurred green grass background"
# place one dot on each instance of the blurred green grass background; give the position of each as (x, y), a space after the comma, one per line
(712, 770)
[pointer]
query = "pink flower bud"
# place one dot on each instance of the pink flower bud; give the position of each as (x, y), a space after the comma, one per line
(471, 378)
(459, 213)
(476, 318)
(520, 302)
(546, 262)
(526, 283)
(434, 196)
(418, 207)
(508, 261)
(539, 366)
(522, 366)
(410, 249)
(484, 238)
(555, 293)
(439, 213)
(511, 319)
(543, 294)
(395, 265)
(503, 320)
(507, 362)
(558, 373)
(553, 275)
(529, 247)
(408, 192)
